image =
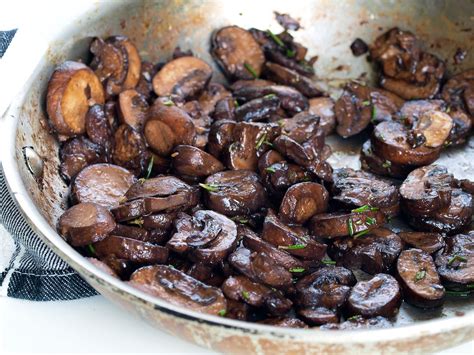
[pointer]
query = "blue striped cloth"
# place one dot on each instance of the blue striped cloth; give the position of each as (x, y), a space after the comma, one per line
(28, 268)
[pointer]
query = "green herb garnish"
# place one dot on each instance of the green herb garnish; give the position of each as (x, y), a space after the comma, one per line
(245, 295)
(387, 164)
(328, 262)
(168, 103)
(150, 167)
(457, 258)
(365, 208)
(290, 53)
(356, 317)
(141, 180)
(366, 103)
(281, 122)
(137, 221)
(420, 275)
(236, 103)
(209, 187)
(297, 269)
(292, 247)
(470, 286)
(276, 38)
(361, 233)
(374, 113)
(222, 313)
(270, 169)
(260, 141)
(350, 227)
(458, 293)
(269, 96)
(91, 248)
(370, 221)
(240, 220)
(251, 70)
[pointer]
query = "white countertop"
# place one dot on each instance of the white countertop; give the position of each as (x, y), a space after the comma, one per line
(92, 325)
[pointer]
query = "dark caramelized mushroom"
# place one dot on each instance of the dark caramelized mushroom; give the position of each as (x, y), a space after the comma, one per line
(293, 240)
(323, 107)
(301, 127)
(390, 141)
(98, 129)
(340, 224)
(104, 184)
(380, 296)
(237, 53)
(419, 280)
(214, 93)
(259, 109)
(380, 166)
(103, 267)
(428, 242)
(455, 263)
(234, 193)
(458, 91)
(185, 77)
(72, 89)
(318, 315)
(373, 253)
(207, 237)
(356, 188)
(302, 201)
(194, 162)
(76, 154)
(130, 149)
(179, 289)
(132, 108)
(279, 177)
(220, 137)
(285, 76)
(85, 223)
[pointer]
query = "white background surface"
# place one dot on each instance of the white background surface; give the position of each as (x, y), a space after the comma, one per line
(88, 325)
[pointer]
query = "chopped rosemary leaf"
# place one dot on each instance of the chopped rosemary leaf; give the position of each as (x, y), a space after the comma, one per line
(137, 221)
(168, 103)
(91, 248)
(366, 103)
(361, 233)
(290, 53)
(281, 122)
(374, 113)
(270, 169)
(260, 141)
(209, 187)
(470, 286)
(245, 295)
(356, 317)
(269, 96)
(365, 208)
(456, 257)
(141, 180)
(370, 221)
(387, 164)
(458, 293)
(420, 275)
(236, 103)
(359, 222)
(150, 167)
(328, 262)
(350, 227)
(251, 70)
(292, 247)
(222, 313)
(297, 269)
(240, 220)
(270, 144)
(276, 38)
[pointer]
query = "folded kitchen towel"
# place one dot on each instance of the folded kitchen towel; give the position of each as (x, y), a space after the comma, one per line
(28, 268)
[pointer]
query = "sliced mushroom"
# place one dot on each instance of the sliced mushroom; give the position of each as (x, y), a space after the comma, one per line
(207, 237)
(426, 190)
(302, 201)
(240, 84)
(117, 63)
(123, 268)
(285, 76)
(458, 91)
(225, 109)
(435, 126)
(373, 253)
(359, 105)
(291, 99)
(98, 129)
(428, 242)
(292, 239)
(181, 129)
(214, 93)
(269, 158)
(85, 223)
(332, 225)
(318, 315)
(462, 126)
(132, 108)
(137, 233)
(390, 141)
(130, 150)
(220, 137)
(76, 154)
(237, 53)
(194, 162)
(323, 107)
(162, 221)
(179, 289)
(103, 267)
(419, 280)
(234, 193)
(451, 219)
(279, 177)
(301, 127)
(144, 86)
(359, 189)
(379, 296)
(377, 165)
(103, 184)
(455, 263)
(185, 76)
(249, 141)
(202, 123)
(72, 89)
(259, 109)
